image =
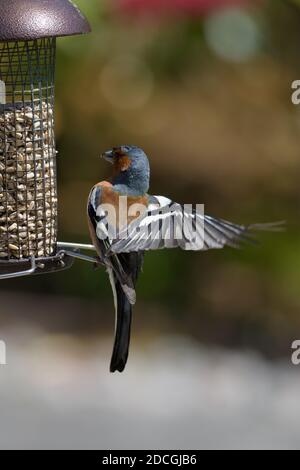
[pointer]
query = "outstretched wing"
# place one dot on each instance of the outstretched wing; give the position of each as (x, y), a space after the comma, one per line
(169, 225)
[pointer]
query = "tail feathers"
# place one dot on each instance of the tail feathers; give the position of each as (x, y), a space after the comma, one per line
(129, 293)
(124, 280)
(123, 327)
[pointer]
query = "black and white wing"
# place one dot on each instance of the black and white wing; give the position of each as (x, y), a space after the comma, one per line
(169, 225)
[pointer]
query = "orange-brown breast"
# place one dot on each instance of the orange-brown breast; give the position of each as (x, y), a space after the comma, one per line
(122, 205)
(105, 184)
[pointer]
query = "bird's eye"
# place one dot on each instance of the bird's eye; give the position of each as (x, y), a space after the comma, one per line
(126, 148)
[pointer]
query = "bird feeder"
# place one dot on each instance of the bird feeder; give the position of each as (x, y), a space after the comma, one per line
(28, 181)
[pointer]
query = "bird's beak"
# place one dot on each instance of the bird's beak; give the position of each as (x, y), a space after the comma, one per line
(108, 156)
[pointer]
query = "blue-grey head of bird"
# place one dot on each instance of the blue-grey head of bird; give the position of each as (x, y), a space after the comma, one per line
(131, 170)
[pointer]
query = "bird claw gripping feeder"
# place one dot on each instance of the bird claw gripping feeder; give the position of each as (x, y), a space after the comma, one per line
(28, 186)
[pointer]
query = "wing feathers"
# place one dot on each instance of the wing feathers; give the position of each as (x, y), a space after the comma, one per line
(166, 224)
(170, 225)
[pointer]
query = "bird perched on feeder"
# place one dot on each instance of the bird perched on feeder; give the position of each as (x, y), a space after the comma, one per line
(122, 233)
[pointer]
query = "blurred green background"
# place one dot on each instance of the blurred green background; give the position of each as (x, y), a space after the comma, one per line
(206, 92)
(212, 108)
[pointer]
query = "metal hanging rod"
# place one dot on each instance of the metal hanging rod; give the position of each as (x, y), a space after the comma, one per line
(76, 246)
(73, 250)
(78, 255)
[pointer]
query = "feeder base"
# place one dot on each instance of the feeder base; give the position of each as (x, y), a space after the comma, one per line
(33, 266)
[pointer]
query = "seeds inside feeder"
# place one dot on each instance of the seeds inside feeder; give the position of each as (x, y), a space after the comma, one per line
(28, 196)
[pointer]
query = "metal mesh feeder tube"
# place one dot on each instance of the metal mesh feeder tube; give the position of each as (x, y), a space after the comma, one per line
(28, 192)
(28, 180)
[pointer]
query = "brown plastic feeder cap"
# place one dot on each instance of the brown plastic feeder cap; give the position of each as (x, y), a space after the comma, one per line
(23, 20)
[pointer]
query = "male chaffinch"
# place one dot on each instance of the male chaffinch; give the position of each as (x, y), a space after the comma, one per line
(149, 223)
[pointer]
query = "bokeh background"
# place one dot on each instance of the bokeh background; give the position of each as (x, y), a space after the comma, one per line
(204, 86)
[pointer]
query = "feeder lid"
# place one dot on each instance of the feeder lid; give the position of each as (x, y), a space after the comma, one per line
(22, 20)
